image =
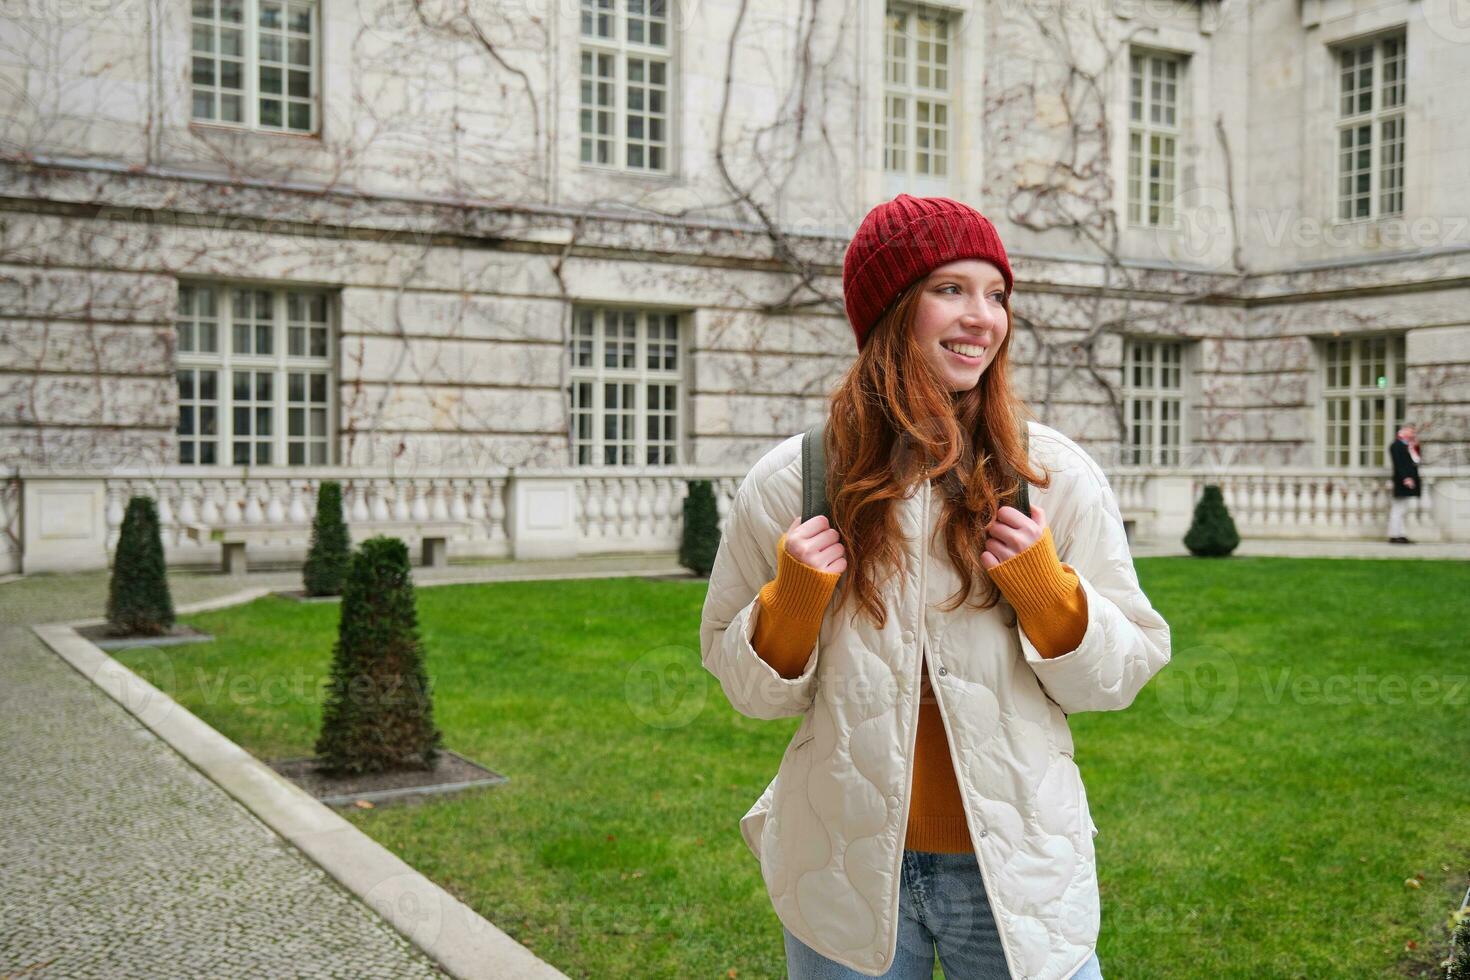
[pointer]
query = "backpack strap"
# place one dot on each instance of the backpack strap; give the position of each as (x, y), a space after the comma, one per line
(1023, 492)
(814, 474)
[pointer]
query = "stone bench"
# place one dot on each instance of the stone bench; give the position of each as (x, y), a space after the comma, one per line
(235, 538)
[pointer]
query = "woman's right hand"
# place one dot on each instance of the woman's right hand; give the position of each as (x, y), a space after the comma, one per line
(816, 544)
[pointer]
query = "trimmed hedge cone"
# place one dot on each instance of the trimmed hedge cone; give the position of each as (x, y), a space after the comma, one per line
(701, 536)
(1212, 533)
(1457, 967)
(331, 549)
(378, 714)
(138, 599)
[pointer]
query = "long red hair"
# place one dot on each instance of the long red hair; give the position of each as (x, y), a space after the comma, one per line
(892, 422)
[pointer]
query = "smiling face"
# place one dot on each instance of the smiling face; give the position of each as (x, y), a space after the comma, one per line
(961, 307)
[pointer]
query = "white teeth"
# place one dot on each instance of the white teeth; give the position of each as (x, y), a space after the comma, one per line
(969, 350)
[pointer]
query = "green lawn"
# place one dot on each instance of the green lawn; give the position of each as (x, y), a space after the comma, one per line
(1260, 805)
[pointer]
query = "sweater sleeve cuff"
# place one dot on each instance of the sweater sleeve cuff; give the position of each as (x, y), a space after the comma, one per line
(789, 613)
(799, 594)
(1047, 595)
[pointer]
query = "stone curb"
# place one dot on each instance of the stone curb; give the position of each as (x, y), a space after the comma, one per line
(449, 932)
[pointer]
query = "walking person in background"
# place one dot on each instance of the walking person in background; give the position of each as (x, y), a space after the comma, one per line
(1404, 451)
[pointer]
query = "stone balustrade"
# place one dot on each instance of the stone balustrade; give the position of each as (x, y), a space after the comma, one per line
(1267, 502)
(65, 520)
(75, 517)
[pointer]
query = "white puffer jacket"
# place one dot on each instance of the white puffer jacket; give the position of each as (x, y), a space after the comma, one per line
(829, 829)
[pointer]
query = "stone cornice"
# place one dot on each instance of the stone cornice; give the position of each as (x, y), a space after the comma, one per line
(101, 190)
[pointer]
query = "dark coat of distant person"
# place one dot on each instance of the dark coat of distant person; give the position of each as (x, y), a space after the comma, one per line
(1403, 466)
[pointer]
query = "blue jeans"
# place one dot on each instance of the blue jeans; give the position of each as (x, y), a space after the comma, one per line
(941, 902)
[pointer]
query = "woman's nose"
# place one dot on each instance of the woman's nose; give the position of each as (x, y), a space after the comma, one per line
(988, 317)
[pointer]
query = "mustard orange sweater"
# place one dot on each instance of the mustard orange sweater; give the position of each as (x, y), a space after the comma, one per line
(1050, 606)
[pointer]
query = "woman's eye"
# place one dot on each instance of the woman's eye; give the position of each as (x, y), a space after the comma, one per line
(950, 286)
(998, 296)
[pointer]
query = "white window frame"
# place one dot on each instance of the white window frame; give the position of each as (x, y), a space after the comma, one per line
(1363, 388)
(211, 31)
(1155, 135)
(318, 448)
(607, 32)
(629, 338)
(920, 86)
(1153, 390)
(1371, 96)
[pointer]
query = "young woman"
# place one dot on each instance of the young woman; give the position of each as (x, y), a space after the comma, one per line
(929, 798)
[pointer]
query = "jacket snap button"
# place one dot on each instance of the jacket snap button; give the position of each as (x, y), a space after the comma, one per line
(942, 671)
(984, 833)
(908, 637)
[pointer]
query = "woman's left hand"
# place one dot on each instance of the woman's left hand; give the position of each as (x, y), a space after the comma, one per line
(1011, 533)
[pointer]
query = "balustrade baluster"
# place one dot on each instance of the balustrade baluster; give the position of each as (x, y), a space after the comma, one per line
(275, 507)
(296, 512)
(457, 509)
(643, 505)
(250, 491)
(497, 508)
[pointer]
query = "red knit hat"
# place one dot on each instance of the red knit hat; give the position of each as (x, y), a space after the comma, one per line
(903, 240)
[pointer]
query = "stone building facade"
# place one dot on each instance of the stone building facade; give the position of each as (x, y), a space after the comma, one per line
(252, 244)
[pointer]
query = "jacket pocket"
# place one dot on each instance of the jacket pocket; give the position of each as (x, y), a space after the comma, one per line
(753, 824)
(1082, 808)
(1082, 803)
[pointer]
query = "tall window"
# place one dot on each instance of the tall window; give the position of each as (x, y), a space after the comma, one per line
(1370, 128)
(1153, 136)
(626, 383)
(625, 84)
(1363, 398)
(249, 360)
(254, 63)
(1153, 401)
(918, 93)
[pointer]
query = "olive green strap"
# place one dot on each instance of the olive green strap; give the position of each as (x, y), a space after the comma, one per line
(814, 474)
(1023, 493)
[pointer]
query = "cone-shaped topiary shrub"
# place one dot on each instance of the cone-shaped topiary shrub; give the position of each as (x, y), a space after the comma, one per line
(331, 549)
(378, 713)
(701, 538)
(1213, 531)
(138, 600)
(1459, 959)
